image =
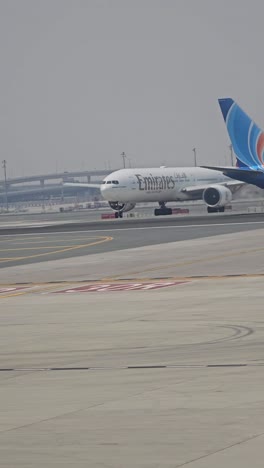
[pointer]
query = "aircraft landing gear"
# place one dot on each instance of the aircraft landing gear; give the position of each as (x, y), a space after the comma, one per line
(163, 210)
(118, 214)
(210, 209)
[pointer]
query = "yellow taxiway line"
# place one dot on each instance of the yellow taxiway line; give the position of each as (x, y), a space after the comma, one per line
(101, 240)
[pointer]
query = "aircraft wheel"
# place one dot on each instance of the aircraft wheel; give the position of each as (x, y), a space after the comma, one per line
(118, 214)
(162, 211)
(210, 209)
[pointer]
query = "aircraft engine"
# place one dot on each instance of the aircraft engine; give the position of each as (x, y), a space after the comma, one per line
(217, 196)
(122, 207)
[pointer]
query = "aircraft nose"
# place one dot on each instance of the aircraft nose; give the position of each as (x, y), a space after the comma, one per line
(106, 191)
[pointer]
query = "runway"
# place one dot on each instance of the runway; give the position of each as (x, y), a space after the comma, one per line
(164, 221)
(38, 244)
(141, 345)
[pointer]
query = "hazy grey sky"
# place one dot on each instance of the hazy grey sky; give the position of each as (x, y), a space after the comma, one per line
(83, 80)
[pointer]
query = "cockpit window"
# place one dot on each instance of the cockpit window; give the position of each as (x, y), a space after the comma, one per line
(115, 182)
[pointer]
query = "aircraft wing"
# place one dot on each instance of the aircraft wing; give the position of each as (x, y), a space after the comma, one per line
(197, 190)
(81, 185)
(234, 170)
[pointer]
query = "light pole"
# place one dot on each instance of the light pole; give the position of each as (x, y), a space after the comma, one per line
(231, 155)
(195, 159)
(4, 167)
(124, 159)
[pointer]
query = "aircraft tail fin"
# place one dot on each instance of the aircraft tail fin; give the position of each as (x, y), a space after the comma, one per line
(246, 137)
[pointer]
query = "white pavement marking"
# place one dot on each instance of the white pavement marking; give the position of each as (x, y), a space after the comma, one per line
(119, 287)
(12, 289)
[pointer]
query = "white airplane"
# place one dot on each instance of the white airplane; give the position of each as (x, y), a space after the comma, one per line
(126, 187)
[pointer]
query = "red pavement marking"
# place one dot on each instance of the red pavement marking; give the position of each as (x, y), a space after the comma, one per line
(119, 287)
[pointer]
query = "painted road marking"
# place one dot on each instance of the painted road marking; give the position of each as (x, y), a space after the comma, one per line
(132, 367)
(12, 289)
(106, 287)
(100, 240)
(182, 279)
(7, 292)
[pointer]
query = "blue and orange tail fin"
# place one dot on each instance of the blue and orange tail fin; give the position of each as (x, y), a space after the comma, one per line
(246, 137)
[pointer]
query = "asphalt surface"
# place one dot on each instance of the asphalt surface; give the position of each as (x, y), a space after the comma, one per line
(136, 223)
(22, 245)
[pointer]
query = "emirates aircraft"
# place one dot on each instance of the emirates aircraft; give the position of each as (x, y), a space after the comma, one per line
(126, 187)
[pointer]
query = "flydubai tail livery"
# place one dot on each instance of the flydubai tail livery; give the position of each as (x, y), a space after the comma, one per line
(126, 187)
(248, 144)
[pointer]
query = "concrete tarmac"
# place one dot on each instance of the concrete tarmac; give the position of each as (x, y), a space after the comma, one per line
(149, 356)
